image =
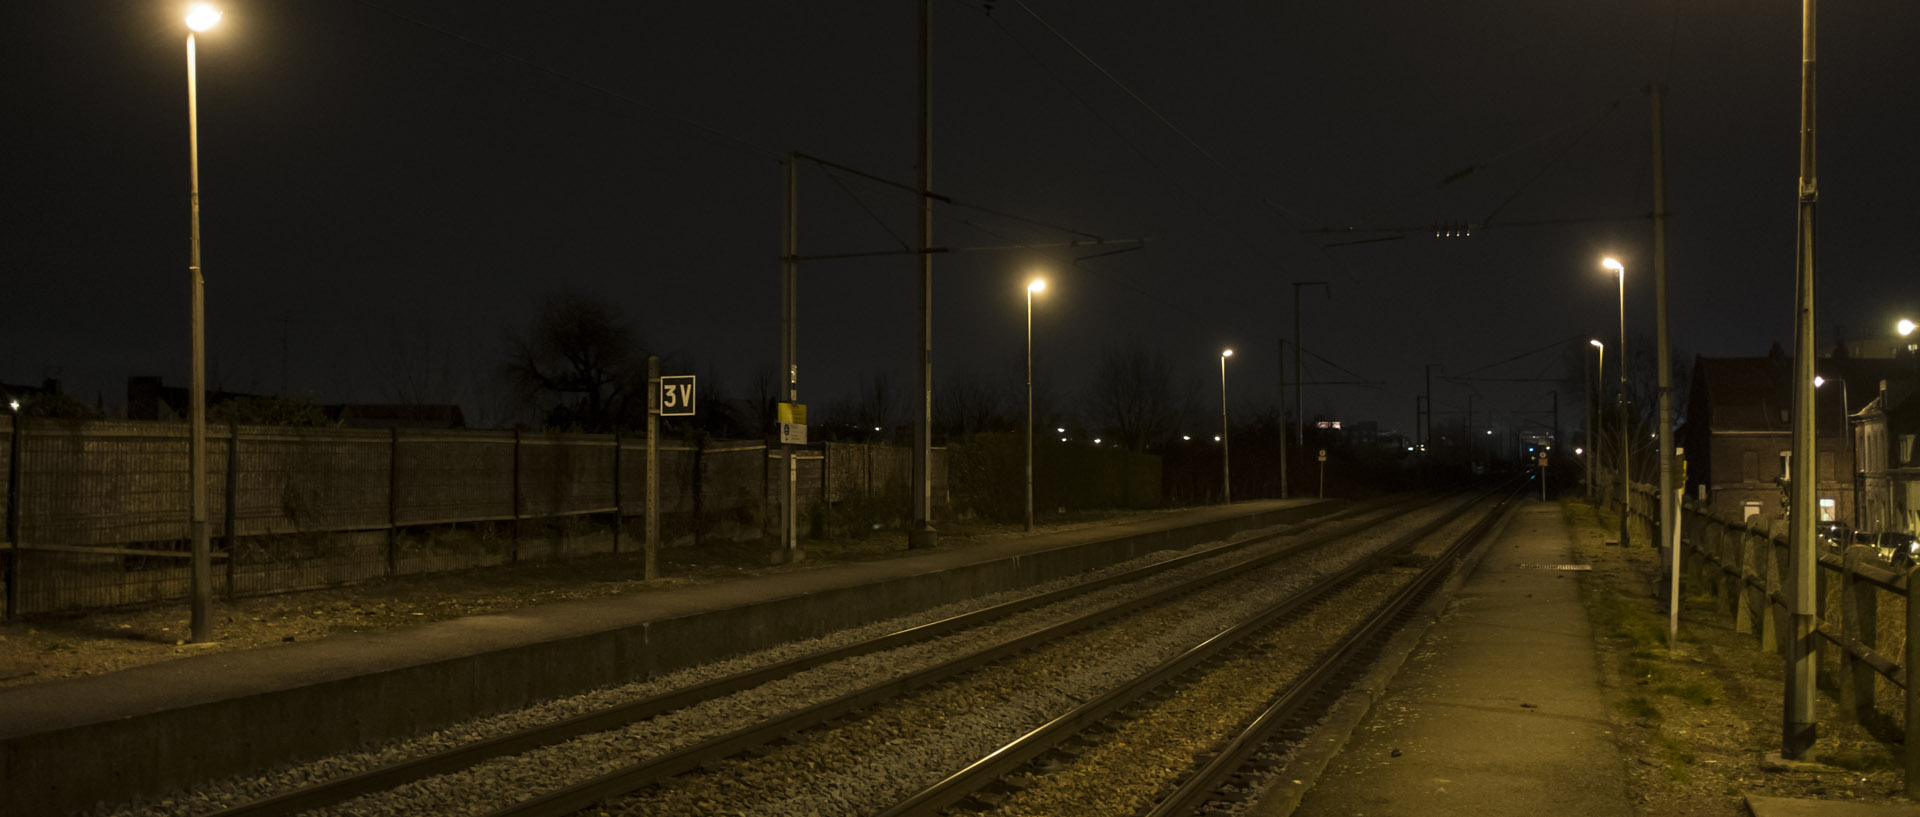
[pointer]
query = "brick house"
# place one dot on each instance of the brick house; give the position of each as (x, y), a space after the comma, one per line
(1739, 439)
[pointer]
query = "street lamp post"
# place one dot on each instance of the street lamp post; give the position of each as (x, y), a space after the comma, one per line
(200, 18)
(1626, 484)
(1038, 285)
(1593, 409)
(1226, 469)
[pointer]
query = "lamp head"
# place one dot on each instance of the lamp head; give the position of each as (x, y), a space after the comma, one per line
(202, 17)
(1905, 326)
(1819, 381)
(1614, 265)
(1038, 285)
(1597, 344)
(1226, 353)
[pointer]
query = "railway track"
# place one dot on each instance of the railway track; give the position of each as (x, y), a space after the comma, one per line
(949, 647)
(1159, 745)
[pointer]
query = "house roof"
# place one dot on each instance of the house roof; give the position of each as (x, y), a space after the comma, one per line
(1755, 394)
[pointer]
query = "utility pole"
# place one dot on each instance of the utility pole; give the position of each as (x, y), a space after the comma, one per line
(1669, 509)
(1799, 725)
(922, 534)
(1592, 408)
(789, 357)
(1282, 424)
(1299, 408)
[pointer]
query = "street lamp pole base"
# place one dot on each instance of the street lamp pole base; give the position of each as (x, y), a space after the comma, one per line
(922, 537)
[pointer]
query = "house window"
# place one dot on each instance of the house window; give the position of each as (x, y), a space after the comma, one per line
(1749, 466)
(1749, 511)
(1827, 507)
(1786, 464)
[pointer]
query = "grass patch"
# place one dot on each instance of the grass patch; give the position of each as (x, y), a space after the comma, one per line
(1698, 693)
(1675, 757)
(1639, 707)
(1862, 758)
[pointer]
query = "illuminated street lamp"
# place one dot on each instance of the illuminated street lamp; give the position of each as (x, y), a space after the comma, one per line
(1038, 285)
(1226, 469)
(1626, 486)
(1906, 327)
(199, 18)
(1593, 409)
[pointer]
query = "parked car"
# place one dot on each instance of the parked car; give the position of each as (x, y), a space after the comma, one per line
(1897, 548)
(1832, 534)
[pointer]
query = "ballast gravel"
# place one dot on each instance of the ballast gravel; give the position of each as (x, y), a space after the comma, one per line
(658, 734)
(911, 742)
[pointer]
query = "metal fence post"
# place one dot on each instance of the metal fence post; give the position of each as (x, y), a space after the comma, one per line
(393, 502)
(232, 520)
(617, 508)
(13, 515)
(514, 554)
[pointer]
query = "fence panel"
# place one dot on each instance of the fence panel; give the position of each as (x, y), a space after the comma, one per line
(312, 480)
(562, 474)
(445, 476)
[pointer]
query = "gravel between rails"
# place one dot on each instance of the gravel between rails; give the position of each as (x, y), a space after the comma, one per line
(1126, 770)
(865, 765)
(228, 792)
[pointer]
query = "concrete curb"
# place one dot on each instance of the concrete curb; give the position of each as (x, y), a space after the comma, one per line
(1310, 759)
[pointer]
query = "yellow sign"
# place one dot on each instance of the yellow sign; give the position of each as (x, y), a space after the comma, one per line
(795, 413)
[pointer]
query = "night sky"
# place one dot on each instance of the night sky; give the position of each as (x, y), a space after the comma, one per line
(390, 187)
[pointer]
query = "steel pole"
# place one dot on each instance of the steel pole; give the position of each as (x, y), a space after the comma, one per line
(1029, 407)
(1669, 508)
(1226, 468)
(790, 359)
(922, 534)
(201, 570)
(1626, 438)
(1282, 426)
(1799, 721)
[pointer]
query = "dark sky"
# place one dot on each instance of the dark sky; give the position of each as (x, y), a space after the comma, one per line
(392, 186)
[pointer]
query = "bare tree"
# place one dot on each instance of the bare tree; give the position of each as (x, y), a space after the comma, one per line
(580, 362)
(879, 402)
(1134, 396)
(967, 404)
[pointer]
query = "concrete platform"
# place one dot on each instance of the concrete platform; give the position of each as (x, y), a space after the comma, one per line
(1498, 711)
(66, 745)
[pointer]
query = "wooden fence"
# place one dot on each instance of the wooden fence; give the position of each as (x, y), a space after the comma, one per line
(97, 511)
(1863, 620)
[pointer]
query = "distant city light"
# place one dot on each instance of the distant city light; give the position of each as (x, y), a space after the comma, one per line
(1216, 438)
(1061, 430)
(15, 404)
(1579, 450)
(1186, 437)
(1096, 441)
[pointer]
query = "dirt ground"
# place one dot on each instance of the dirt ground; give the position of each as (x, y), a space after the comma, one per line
(1696, 722)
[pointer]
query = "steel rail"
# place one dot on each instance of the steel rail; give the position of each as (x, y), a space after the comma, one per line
(1335, 670)
(1017, 753)
(583, 795)
(338, 790)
